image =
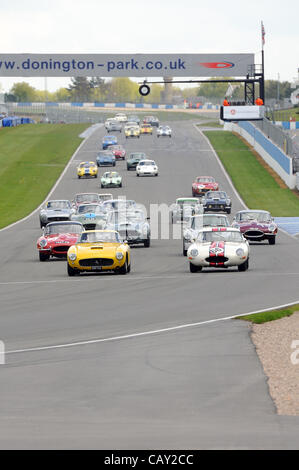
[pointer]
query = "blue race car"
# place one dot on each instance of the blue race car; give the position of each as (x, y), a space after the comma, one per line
(106, 158)
(108, 140)
(216, 201)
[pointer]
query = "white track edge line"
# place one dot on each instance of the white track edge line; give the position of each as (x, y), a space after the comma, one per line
(146, 333)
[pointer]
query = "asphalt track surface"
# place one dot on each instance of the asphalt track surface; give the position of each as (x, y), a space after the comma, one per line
(198, 387)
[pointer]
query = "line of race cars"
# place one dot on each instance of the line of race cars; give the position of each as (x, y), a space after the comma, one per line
(94, 231)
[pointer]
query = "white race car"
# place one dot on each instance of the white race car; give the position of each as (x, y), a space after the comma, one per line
(218, 248)
(121, 117)
(164, 131)
(147, 168)
(197, 223)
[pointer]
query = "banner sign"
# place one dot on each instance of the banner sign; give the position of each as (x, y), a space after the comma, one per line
(126, 65)
(242, 113)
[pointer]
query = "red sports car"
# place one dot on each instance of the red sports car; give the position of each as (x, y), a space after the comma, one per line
(203, 184)
(118, 151)
(57, 238)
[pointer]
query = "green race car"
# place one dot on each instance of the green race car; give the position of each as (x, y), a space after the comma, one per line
(133, 160)
(111, 179)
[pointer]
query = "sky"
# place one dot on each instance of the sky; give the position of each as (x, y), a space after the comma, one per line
(154, 26)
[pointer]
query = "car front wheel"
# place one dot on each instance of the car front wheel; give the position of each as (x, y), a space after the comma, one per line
(71, 271)
(244, 266)
(43, 256)
(272, 241)
(194, 269)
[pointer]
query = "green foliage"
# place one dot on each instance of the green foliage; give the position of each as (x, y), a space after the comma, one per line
(23, 92)
(80, 89)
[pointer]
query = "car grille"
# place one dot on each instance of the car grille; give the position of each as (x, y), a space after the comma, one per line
(215, 206)
(89, 226)
(60, 248)
(96, 262)
(254, 233)
(216, 259)
(106, 163)
(57, 218)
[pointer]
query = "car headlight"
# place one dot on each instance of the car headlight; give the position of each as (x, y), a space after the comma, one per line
(272, 228)
(43, 243)
(72, 256)
(240, 252)
(119, 255)
(194, 252)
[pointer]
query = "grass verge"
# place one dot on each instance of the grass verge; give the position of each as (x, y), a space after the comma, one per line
(263, 317)
(32, 157)
(256, 186)
(210, 124)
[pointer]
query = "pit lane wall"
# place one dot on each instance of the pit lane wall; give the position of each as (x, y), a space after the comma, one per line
(273, 155)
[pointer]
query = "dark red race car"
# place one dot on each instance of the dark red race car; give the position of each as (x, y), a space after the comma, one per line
(57, 238)
(203, 184)
(256, 225)
(118, 151)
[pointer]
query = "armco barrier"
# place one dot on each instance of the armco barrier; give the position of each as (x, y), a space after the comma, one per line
(114, 105)
(273, 156)
(289, 125)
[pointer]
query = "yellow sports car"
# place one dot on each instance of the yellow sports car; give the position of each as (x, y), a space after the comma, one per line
(87, 169)
(133, 131)
(99, 250)
(146, 129)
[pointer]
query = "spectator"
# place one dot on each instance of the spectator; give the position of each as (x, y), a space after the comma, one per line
(225, 102)
(259, 102)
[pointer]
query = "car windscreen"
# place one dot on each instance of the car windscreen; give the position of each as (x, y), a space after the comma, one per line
(205, 180)
(111, 174)
(96, 237)
(208, 220)
(89, 208)
(63, 228)
(86, 165)
(219, 236)
(136, 156)
(87, 198)
(58, 205)
(258, 216)
(125, 216)
(216, 195)
(147, 163)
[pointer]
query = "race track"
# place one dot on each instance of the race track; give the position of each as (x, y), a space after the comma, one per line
(197, 387)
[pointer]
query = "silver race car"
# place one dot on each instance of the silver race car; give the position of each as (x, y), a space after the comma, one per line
(55, 211)
(131, 225)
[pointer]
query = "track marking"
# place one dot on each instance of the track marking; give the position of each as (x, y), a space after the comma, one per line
(143, 333)
(145, 278)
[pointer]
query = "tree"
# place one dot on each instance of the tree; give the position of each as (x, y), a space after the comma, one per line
(213, 90)
(62, 95)
(23, 92)
(123, 89)
(80, 89)
(99, 88)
